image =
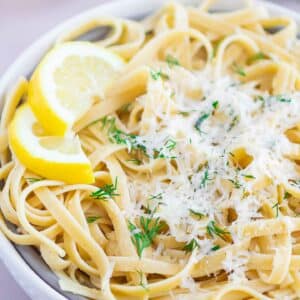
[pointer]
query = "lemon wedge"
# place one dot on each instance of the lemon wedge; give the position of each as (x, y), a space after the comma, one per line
(52, 157)
(69, 79)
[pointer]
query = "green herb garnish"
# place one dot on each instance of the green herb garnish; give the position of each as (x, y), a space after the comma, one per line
(276, 207)
(165, 151)
(106, 192)
(172, 61)
(257, 56)
(120, 137)
(142, 283)
(158, 74)
(239, 70)
(184, 113)
(143, 237)
(157, 196)
(233, 123)
(92, 219)
(236, 183)
(33, 179)
(215, 104)
(135, 161)
(199, 122)
(215, 248)
(205, 178)
(213, 230)
(191, 246)
(248, 176)
(197, 214)
(283, 99)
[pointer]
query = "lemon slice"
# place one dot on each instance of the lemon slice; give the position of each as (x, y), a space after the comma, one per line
(69, 79)
(52, 157)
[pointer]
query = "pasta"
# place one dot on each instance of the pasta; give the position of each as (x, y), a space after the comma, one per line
(195, 149)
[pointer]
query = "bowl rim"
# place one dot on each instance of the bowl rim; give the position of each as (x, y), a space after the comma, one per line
(32, 284)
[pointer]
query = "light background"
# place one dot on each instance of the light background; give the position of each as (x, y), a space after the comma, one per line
(22, 22)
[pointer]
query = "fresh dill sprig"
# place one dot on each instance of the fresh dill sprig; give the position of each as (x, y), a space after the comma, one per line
(120, 137)
(269, 100)
(142, 283)
(172, 61)
(135, 161)
(184, 113)
(158, 75)
(191, 246)
(106, 192)
(135, 142)
(205, 179)
(248, 176)
(238, 69)
(215, 248)
(197, 214)
(276, 207)
(236, 183)
(143, 237)
(283, 99)
(199, 122)
(215, 104)
(256, 56)
(92, 219)
(213, 230)
(34, 179)
(157, 197)
(170, 144)
(165, 150)
(233, 123)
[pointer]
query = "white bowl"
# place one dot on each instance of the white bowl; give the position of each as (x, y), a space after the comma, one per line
(24, 264)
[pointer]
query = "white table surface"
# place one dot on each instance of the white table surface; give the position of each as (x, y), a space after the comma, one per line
(21, 22)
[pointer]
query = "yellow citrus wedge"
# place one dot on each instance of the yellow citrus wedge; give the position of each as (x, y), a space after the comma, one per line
(69, 79)
(52, 157)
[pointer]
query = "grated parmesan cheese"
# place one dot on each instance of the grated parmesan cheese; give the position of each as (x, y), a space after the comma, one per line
(233, 116)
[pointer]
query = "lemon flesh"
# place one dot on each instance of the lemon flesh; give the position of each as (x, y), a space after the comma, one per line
(68, 81)
(52, 157)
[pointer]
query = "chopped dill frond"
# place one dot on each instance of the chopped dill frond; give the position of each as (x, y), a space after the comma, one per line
(197, 214)
(199, 122)
(92, 219)
(276, 207)
(172, 61)
(143, 237)
(106, 192)
(213, 230)
(191, 246)
(158, 75)
(239, 70)
(248, 176)
(34, 179)
(215, 248)
(256, 56)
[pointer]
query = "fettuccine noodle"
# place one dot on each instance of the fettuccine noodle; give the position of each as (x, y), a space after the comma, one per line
(198, 142)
